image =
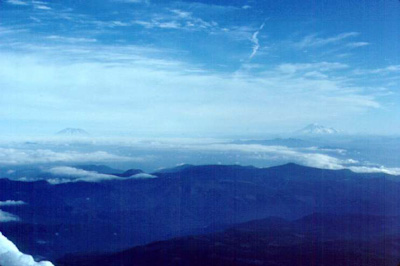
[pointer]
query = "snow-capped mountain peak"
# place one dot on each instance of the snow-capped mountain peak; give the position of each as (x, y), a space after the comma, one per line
(72, 132)
(316, 129)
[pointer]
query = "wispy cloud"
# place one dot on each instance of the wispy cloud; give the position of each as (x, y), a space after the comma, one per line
(102, 67)
(255, 41)
(375, 169)
(36, 4)
(181, 13)
(17, 2)
(41, 6)
(6, 217)
(11, 30)
(11, 203)
(11, 256)
(40, 156)
(133, 1)
(159, 24)
(263, 152)
(388, 70)
(123, 60)
(143, 176)
(315, 41)
(177, 19)
(298, 155)
(357, 44)
(70, 174)
(320, 66)
(70, 39)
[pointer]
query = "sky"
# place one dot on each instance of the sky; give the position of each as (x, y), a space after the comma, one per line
(199, 68)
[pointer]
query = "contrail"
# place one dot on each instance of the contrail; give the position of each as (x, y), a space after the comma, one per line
(254, 40)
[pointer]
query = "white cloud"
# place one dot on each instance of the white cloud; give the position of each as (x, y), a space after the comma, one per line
(301, 156)
(35, 19)
(315, 41)
(71, 39)
(134, 1)
(315, 74)
(255, 41)
(71, 174)
(118, 23)
(168, 25)
(375, 169)
(385, 70)
(11, 203)
(11, 256)
(127, 81)
(178, 19)
(357, 44)
(7, 217)
(281, 153)
(11, 30)
(181, 13)
(42, 7)
(388, 70)
(17, 2)
(320, 66)
(143, 176)
(36, 4)
(338, 151)
(10, 156)
(158, 24)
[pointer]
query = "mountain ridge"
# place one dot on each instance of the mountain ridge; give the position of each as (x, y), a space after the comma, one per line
(182, 203)
(268, 241)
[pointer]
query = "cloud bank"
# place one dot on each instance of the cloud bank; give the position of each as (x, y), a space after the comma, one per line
(209, 98)
(12, 203)
(12, 156)
(301, 156)
(127, 56)
(70, 174)
(11, 256)
(143, 176)
(6, 217)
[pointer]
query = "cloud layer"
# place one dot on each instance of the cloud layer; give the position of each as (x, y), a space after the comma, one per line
(13, 156)
(12, 203)
(319, 158)
(66, 174)
(184, 67)
(7, 217)
(70, 174)
(318, 91)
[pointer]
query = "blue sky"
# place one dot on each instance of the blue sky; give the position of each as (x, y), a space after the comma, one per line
(194, 68)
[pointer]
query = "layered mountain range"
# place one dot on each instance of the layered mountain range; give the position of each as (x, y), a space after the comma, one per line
(115, 215)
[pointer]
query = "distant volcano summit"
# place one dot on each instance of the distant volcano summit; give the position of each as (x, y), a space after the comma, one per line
(316, 129)
(73, 132)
